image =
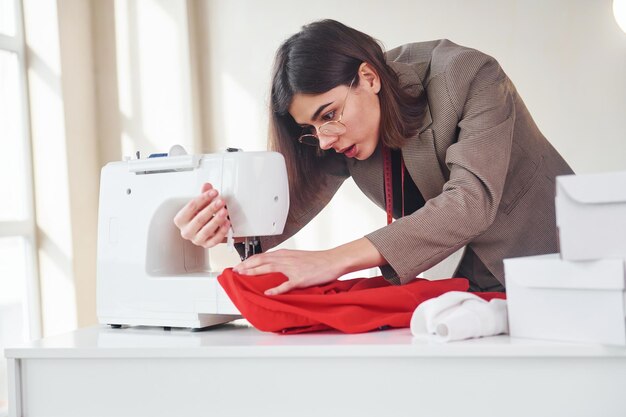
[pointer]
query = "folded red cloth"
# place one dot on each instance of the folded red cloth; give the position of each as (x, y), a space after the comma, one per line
(350, 306)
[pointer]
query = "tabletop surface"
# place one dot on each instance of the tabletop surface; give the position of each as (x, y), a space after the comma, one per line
(239, 339)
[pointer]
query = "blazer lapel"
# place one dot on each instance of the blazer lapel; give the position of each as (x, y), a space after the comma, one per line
(419, 153)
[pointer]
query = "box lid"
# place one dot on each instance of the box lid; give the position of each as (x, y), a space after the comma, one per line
(601, 188)
(550, 271)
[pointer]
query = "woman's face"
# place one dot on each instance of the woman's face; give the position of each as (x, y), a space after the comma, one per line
(361, 115)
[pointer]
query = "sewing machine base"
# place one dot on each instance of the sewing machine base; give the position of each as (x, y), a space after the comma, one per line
(196, 322)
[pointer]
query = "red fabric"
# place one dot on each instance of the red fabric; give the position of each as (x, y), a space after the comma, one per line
(350, 306)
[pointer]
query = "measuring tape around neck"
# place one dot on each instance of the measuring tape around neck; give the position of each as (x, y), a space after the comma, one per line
(388, 183)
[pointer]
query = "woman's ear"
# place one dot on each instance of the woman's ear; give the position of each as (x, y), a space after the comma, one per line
(370, 76)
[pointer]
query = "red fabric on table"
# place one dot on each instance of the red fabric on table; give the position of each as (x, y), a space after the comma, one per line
(350, 306)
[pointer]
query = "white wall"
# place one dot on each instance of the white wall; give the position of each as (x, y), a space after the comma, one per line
(566, 57)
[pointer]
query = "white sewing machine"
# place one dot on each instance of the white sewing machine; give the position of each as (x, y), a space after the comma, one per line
(147, 274)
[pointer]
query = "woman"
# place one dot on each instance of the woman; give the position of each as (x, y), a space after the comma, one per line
(433, 132)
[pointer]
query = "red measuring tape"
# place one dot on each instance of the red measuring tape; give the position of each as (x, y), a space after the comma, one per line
(388, 185)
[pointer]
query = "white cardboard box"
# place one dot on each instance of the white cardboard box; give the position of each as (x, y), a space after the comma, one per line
(591, 215)
(555, 299)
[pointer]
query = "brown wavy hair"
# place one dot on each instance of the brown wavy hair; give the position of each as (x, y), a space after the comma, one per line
(322, 56)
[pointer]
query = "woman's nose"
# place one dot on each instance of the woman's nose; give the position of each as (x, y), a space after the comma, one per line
(327, 141)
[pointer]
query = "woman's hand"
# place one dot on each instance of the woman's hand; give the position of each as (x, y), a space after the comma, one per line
(303, 268)
(204, 219)
(306, 268)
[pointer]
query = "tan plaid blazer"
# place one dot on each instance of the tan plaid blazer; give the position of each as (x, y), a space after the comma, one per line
(486, 171)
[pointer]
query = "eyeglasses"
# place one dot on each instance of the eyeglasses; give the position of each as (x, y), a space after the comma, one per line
(332, 127)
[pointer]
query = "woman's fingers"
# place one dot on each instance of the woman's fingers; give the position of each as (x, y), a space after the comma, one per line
(253, 269)
(189, 211)
(302, 268)
(204, 219)
(263, 263)
(281, 289)
(266, 263)
(205, 187)
(214, 231)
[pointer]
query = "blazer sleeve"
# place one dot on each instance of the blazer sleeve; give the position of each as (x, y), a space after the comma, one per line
(481, 96)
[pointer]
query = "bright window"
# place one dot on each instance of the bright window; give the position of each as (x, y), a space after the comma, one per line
(12, 187)
(19, 303)
(7, 17)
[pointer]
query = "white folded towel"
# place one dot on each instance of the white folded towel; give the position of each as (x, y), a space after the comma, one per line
(458, 315)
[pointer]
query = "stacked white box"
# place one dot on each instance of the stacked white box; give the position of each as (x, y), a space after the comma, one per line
(579, 294)
(591, 216)
(580, 301)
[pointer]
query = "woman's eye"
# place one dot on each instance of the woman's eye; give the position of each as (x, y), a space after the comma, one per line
(329, 116)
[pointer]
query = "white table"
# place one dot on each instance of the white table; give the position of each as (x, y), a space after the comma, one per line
(235, 370)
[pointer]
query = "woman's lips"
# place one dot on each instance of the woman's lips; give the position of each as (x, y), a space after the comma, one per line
(350, 151)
